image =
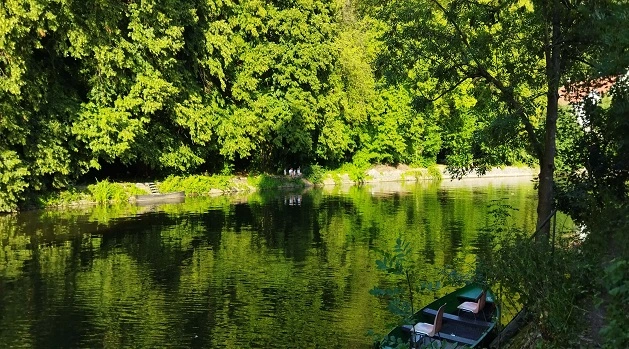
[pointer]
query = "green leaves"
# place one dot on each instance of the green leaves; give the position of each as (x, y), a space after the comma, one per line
(12, 181)
(177, 86)
(616, 281)
(450, 51)
(395, 262)
(108, 132)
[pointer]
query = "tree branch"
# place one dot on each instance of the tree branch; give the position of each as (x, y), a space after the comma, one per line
(449, 90)
(507, 93)
(457, 28)
(590, 64)
(517, 107)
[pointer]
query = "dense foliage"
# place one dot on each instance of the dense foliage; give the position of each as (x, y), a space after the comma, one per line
(158, 87)
(593, 188)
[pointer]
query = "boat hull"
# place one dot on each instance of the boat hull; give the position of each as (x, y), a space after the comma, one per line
(167, 198)
(459, 329)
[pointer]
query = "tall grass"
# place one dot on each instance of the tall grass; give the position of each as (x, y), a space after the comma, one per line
(356, 173)
(430, 173)
(100, 192)
(105, 191)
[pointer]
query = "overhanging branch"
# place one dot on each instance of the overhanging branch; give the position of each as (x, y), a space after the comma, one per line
(507, 93)
(452, 88)
(517, 107)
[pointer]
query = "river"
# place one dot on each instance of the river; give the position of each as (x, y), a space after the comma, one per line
(265, 270)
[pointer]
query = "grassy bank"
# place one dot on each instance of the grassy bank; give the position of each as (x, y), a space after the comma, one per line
(106, 191)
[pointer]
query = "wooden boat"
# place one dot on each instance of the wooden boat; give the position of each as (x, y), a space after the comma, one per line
(458, 329)
(152, 199)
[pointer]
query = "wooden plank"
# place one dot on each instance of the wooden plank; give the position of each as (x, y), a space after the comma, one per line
(452, 317)
(458, 339)
(446, 336)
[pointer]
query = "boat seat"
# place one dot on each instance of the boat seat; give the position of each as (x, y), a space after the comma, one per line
(458, 318)
(475, 307)
(422, 329)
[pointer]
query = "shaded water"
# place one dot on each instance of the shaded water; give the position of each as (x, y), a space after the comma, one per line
(270, 270)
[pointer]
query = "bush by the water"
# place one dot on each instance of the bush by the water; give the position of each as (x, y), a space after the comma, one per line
(196, 184)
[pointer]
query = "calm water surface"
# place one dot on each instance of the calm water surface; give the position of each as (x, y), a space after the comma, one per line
(270, 270)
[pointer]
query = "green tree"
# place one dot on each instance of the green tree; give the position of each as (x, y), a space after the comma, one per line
(12, 182)
(516, 53)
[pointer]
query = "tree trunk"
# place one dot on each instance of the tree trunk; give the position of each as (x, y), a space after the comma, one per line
(545, 192)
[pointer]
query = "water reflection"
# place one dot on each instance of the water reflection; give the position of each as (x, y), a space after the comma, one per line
(292, 200)
(270, 270)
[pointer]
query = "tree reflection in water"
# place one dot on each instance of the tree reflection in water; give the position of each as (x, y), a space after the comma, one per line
(267, 270)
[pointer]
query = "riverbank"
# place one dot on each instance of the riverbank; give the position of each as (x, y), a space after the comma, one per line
(105, 192)
(404, 173)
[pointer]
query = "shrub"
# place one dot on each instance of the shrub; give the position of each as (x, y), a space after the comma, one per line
(314, 173)
(434, 172)
(616, 330)
(551, 281)
(66, 197)
(105, 191)
(263, 182)
(356, 172)
(12, 182)
(196, 185)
